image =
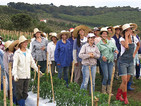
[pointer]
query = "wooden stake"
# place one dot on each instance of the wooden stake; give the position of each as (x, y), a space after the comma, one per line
(47, 64)
(38, 89)
(52, 83)
(91, 85)
(10, 85)
(111, 85)
(0, 78)
(4, 90)
(34, 78)
(72, 71)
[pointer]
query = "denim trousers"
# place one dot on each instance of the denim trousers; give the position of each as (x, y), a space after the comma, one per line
(86, 76)
(65, 71)
(107, 68)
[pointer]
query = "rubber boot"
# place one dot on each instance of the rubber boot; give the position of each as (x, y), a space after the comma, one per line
(125, 97)
(118, 96)
(129, 87)
(104, 89)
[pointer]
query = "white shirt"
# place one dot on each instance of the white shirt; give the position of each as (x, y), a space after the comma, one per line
(51, 49)
(113, 40)
(122, 39)
(32, 39)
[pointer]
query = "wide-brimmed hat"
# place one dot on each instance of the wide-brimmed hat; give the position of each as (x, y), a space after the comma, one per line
(126, 26)
(63, 32)
(7, 44)
(85, 28)
(54, 34)
(117, 27)
(13, 44)
(103, 29)
(36, 30)
(134, 26)
(23, 39)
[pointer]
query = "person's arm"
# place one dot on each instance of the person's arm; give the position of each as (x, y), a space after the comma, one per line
(97, 54)
(57, 53)
(46, 44)
(33, 64)
(125, 42)
(49, 53)
(83, 54)
(33, 51)
(75, 51)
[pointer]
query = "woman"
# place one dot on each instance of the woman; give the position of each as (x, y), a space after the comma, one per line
(79, 32)
(126, 64)
(89, 54)
(63, 55)
(107, 50)
(51, 49)
(22, 61)
(39, 50)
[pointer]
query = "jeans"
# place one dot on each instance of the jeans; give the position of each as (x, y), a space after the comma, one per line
(107, 69)
(65, 70)
(86, 76)
(138, 70)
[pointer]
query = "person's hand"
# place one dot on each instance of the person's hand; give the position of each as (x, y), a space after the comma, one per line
(134, 55)
(43, 48)
(41, 74)
(137, 64)
(76, 64)
(91, 55)
(127, 33)
(116, 51)
(104, 58)
(58, 64)
(16, 78)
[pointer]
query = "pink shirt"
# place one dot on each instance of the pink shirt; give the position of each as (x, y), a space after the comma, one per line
(97, 40)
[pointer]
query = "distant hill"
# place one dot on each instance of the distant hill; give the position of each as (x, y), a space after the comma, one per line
(63, 17)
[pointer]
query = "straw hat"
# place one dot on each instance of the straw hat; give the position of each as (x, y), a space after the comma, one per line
(117, 27)
(85, 28)
(103, 29)
(53, 35)
(13, 44)
(63, 32)
(7, 44)
(134, 26)
(36, 30)
(126, 26)
(23, 39)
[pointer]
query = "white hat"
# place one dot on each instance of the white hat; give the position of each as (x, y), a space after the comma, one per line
(90, 35)
(53, 34)
(7, 44)
(126, 26)
(104, 29)
(117, 26)
(96, 28)
(22, 39)
(36, 30)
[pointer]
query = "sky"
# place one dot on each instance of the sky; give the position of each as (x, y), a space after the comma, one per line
(96, 3)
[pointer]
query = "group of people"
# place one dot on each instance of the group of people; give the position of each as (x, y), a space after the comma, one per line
(105, 47)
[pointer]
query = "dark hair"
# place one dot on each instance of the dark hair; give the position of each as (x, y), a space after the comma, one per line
(7, 49)
(78, 40)
(123, 33)
(102, 32)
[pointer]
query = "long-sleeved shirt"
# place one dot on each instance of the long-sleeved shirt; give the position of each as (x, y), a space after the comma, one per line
(22, 64)
(84, 54)
(37, 53)
(51, 49)
(107, 50)
(63, 53)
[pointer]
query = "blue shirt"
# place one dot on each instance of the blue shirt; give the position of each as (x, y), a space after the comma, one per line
(63, 53)
(71, 41)
(118, 45)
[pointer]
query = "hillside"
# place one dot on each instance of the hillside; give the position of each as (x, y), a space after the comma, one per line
(63, 17)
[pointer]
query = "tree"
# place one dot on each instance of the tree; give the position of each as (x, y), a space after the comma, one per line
(21, 21)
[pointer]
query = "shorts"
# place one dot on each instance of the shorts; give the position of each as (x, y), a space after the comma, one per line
(126, 69)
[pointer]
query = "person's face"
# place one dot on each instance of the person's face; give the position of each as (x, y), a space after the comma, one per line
(96, 32)
(109, 30)
(64, 36)
(104, 35)
(117, 31)
(81, 32)
(54, 39)
(129, 30)
(38, 34)
(24, 44)
(91, 40)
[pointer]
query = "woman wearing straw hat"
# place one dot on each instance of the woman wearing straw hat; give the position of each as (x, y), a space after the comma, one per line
(107, 50)
(89, 54)
(22, 61)
(39, 49)
(7, 57)
(63, 55)
(79, 33)
(126, 65)
(51, 49)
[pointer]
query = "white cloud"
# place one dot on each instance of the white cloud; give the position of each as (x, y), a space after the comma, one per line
(96, 3)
